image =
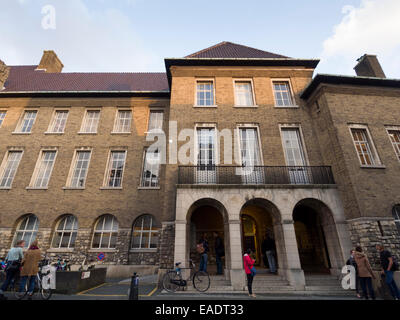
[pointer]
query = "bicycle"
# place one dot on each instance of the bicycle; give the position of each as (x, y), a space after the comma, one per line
(173, 280)
(44, 293)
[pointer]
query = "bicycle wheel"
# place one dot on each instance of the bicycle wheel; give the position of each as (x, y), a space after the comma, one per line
(168, 279)
(45, 293)
(201, 281)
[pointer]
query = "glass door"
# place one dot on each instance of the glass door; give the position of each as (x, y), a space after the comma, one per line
(205, 172)
(252, 171)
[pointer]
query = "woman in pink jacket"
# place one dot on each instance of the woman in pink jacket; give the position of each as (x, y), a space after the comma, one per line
(250, 271)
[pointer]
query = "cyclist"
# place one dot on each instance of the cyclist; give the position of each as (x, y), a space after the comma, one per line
(30, 268)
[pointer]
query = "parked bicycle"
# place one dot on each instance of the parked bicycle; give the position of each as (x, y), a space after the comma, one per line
(173, 280)
(44, 293)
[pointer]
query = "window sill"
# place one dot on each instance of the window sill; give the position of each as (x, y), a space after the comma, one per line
(34, 188)
(60, 250)
(5, 188)
(246, 107)
(154, 250)
(90, 133)
(121, 132)
(149, 188)
(102, 250)
(54, 133)
(373, 167)
(73, 188)
(111, 188)
(287, 107)
(21, 133)
(205, 107)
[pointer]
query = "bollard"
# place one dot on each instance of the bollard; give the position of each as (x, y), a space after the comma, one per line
(134, 290)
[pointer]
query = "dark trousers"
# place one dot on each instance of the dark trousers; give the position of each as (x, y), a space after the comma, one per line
(219, 264)
(367, 282)
(392, 284)
(10, 275)
(250, 278)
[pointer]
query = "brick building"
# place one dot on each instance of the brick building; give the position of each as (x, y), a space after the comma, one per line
(252, 144)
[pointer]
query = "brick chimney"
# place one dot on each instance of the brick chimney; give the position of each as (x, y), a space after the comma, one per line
(50, 62)
(369, 66)
(4, 72)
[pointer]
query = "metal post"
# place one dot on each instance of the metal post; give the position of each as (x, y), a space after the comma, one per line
(134, 290)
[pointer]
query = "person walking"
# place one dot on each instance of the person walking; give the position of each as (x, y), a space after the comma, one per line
(352, 262)
(250, 271)
(30, 267)
(219, 252)
(269, 246)
(13, 259)
(365, 273)
(203, 252)
(388, 267)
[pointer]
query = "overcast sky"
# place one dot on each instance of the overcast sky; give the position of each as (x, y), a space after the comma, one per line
(136, 35)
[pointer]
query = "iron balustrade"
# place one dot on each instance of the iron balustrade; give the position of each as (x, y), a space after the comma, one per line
(231, 175)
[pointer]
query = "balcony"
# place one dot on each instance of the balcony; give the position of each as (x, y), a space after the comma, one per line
(256, 175)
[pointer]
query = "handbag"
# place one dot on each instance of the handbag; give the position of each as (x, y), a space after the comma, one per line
(200, 249)
(253, 271)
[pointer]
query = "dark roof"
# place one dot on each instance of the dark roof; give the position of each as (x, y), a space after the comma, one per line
(26, 79)
(348, 80)
(232, 50)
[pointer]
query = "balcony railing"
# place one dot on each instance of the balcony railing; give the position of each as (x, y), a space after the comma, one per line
(229, 175)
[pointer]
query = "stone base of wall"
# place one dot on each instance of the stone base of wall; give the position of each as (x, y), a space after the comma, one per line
(167, 245)
(368, 232)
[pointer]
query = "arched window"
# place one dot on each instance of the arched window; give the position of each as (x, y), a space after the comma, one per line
(145, 233)
(65, 232)
(105, 233)
(396, 216)
(27, 230)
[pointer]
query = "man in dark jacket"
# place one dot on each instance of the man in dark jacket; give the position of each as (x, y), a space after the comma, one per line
(269, 246)
(388, 268)
(204, 255)
(219, 252)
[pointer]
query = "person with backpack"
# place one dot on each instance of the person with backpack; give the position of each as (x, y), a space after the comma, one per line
(250, 271)
(365, 273)
(389, 266)
(13, 259)
(352, 262)
(219, 252)
(203, 249)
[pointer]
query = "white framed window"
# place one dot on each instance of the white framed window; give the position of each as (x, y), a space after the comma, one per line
(9, 168)
(283, 93)
(65, 233)
(27, 121)
(115, 169)
(79, 169)
(205, 96)
(394, 136)
(105, 233)
(43, 169)
(244, 93)
(396, 216)
(206, 150)
(151, 169)
(145, 233)
(156, 119)
(27, 230)
(123, 121)
(364, 146)
(2, 116)
(90, 121)
(58, 122)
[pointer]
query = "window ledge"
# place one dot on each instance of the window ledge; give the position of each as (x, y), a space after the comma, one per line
(121, 132)
(153, 250)
(21, 133)
(205, 107)
(54, 133)
(35, 188)
(287, 107)
(60, 250)
(246, 107)
(111, 188)
(90, 133)
(373, 167)
(73, 188)
(5, 188)
(149, 188)
(102, 250)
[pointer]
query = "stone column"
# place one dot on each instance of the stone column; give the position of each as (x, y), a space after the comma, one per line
(237, 275)
(294, 273)
(180, 242)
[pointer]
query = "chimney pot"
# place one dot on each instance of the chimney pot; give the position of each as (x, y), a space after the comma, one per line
(50, 62)
(369, 66)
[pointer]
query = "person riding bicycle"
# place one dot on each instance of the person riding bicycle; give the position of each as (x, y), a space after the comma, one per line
(30, 268)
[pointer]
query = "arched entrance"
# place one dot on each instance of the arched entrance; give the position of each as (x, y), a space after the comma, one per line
(259, 217)
(205, 218)
(317, 238)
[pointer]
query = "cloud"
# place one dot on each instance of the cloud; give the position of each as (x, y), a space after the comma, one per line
(88, 37)
(374, 28)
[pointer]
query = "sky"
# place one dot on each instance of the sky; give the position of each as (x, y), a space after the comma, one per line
(136, 35)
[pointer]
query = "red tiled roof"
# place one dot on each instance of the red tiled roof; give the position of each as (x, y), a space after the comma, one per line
(232, 50)
(25, 78)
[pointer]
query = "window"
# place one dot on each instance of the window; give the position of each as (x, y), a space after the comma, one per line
(244, 94)
(282, 93)
(44, 167)
(250, 155)
(145, 233)
(396, 216)
(156, 120)
(80, 169)
(65, 232)
(26, 123)
(206, 155)
(27, 230)
(10, 168)
(123, 121)
(105, 233)
(205, 93)
(394, 136)
(59, 121)
(363, 145)
(151, 168)
(115, 169)
(91, 121)
(2, 116)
